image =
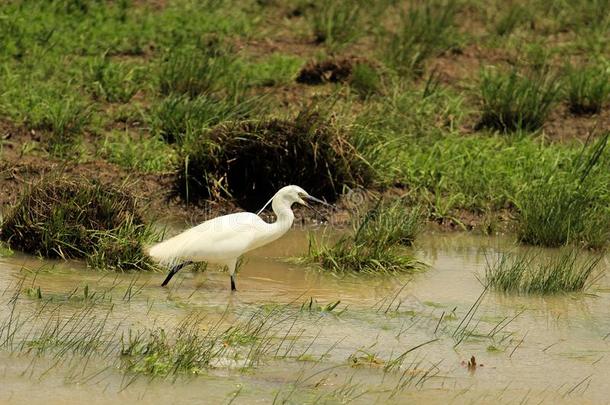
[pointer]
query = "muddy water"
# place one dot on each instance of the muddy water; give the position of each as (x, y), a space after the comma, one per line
(527, 349)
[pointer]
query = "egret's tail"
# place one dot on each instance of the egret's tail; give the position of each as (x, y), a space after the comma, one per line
(167, 253)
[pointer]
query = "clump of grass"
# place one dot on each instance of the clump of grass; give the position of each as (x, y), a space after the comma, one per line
(336, 22)
(516, 15)
(557, 211)
(567, 208)
(64, 218)
(250, 160)
(113, 82)
(178, 118)
(392, 223)
(146, 154)
(193, 71)
(63, 120)
(373, 246)
(588, 89)
(513, 101)
(530, 274)
(422, 31)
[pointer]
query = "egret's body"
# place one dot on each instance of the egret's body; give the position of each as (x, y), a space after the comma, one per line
(224, 239)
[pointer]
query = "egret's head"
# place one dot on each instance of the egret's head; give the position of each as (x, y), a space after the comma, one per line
(295, 194)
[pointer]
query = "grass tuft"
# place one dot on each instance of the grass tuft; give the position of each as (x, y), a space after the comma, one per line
(423, 31)
(63, 121)
(365, 80)
(113, 82)
(513, 101)
(515, 16)
(336, 22)
(192, 71)
(251, 160)
(588, 89)
(69, 219)
(527, 273)
(570, 207)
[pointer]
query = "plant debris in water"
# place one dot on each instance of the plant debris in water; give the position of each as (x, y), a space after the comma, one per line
(250, 160)
(64, 218)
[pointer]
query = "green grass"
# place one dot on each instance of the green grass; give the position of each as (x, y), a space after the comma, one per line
(587, 89)
(60, 118)
(180, 119)
(336, 22)
(568, 207)
(275, 70)
(513, 101)
(528, 273)
(193, 71)
(392, 223)
(146, 154)
(193, 346)
(511, 19)
(114, 82)
(365, 80)
(78, 73)
(423, 30)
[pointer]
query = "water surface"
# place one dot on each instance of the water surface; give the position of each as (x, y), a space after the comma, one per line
(528, 349)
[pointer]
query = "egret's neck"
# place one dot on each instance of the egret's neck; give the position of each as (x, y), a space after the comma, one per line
(284, 215)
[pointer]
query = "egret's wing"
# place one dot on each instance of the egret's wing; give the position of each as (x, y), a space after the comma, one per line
(217, 240)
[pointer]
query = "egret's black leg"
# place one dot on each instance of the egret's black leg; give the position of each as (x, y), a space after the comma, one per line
(173, 271)
(233, 283)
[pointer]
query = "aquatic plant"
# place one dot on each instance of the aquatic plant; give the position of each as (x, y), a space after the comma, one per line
(373, 245)
(529, 273)
(59, 217)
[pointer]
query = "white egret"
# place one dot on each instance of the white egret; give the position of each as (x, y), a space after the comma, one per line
(224, 239)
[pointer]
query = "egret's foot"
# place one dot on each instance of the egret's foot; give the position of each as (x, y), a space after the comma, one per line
(233, 283)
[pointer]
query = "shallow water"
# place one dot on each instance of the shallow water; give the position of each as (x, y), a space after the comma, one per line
(554, 350)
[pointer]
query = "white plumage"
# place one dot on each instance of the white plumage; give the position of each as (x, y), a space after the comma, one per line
(224, 239)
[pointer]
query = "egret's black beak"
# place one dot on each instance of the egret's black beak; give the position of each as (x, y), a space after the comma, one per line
(314, 199)
(308, 198)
